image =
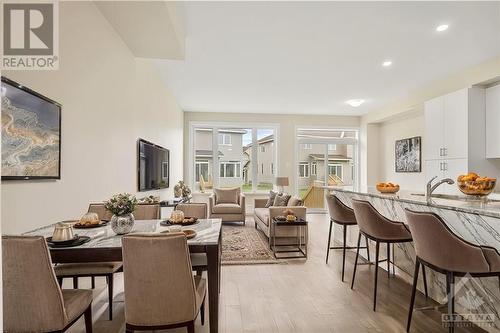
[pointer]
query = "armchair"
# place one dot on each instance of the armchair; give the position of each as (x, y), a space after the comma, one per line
(227, 204)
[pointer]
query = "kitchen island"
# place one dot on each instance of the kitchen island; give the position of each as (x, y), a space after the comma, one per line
(475, 221)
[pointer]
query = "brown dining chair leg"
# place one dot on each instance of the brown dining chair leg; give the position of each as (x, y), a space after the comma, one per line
(190, 327)
(75, 282)
(88, 319)
(450, 290)
(388, 260)
(110, 296)
(413, 292)
(202, 311)
(356, 261)
(343, 250)
(377, 248)
(367, 249)
(60, 281)
(329, 239)
(424, 276)
(92, 282)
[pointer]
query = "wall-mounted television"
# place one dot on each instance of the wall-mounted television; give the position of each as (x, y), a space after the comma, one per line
(31, 134)
(152, 166)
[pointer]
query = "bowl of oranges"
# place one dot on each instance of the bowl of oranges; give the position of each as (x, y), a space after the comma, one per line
(387, 188)
(473, 184)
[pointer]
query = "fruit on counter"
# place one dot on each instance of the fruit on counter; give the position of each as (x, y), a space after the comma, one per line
(473, 184)
(387, 187)
(474, 177)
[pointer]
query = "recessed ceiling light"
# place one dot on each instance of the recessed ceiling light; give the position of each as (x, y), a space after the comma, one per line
(442, 27)
(355, 102)
(387, 63)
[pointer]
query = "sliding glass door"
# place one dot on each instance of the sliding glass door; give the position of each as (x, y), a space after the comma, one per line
(326, 158)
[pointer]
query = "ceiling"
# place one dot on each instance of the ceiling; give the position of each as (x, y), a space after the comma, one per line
(310, 57)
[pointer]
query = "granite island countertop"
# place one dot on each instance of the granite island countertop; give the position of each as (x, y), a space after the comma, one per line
(489, 208)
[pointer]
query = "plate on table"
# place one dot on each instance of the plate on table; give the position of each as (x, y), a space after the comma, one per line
(186, 221)
(190, 233)
(101, 223)
(77, 240)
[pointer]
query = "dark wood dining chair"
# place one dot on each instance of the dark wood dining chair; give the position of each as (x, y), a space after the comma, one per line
(438, 248)
(160, 289)
(380, 229)
(32, 299)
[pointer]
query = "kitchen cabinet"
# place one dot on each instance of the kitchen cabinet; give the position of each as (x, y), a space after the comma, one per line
(492, 101)
(434, 125)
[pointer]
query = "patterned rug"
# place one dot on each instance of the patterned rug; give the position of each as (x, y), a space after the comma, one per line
(245, 245)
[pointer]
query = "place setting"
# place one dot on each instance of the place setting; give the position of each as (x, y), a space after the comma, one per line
(63, 236)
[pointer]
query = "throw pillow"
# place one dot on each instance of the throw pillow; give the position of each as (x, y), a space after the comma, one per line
(270, 201)
(281, 199)
(294, 202)
(227, 195)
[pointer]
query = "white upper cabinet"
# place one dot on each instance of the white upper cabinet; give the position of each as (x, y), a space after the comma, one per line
(434, 126)
(456, 107)
(493, 122)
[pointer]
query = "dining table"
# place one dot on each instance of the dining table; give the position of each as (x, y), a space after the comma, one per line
(104, 245)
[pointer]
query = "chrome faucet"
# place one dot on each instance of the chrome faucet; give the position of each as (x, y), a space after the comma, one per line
(431, 188)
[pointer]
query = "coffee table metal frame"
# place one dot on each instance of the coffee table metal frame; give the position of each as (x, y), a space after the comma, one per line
(299, 248)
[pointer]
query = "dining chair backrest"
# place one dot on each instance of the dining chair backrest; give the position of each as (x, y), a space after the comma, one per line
(159, 284)
(100, 210)
(32, 299)
(374, 224)
(436, 244)
(198, 210)
(147, 212)
(338, 211)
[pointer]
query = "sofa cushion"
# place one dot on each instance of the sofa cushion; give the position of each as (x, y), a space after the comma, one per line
(281, 199)
(270, 201)
(295, 201)
(227, 195)
(262, 214)
(226, 208)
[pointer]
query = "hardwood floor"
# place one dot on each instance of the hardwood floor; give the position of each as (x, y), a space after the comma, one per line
(300, 296)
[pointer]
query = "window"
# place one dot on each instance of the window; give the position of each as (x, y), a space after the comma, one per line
(304, 169)
(314, 168)
(332, 147)
(230, 170)
(262, 149)
(307, 146)
(201, 170)
(262, 168)
(335, 169)
(225, 139)
(272, 168)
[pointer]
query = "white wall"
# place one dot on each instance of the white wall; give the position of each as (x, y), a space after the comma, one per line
(391, 131)
(109, 100)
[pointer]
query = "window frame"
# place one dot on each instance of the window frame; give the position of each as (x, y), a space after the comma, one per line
(224, 136)
(196, 175)
(314, 168)
(334, 145)
(306, 172)
(337, 165)
(237, 167)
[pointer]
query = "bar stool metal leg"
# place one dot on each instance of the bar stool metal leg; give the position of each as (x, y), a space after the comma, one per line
(377, 248)
(356, 261)
(450, 290)
(425, 281)
(388, 260)
(413, 292)
(329, 239)
(343, 250)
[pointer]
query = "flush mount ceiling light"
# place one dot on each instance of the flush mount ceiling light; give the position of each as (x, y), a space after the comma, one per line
(355, 102)
(387, 63)
(442, 27)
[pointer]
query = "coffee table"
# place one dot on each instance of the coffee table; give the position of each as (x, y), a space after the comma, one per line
(299, 248)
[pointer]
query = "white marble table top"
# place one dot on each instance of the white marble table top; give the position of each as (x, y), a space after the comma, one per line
(207, 233)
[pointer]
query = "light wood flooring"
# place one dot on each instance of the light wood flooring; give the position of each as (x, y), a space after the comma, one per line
(300, 296)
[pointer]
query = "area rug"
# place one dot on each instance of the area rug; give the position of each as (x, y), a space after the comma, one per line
(245, 245)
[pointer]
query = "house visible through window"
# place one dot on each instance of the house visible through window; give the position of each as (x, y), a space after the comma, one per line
(304, 169)
(225, 139)
(272, 168)
(262, 168)
(335, 169)
(201, 170)
(262, 149)
(230, 170)
(314, 166)
(332, 147)
(307, 146)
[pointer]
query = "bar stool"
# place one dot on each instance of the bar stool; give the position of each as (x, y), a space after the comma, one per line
(381, 230)
(438, 248)
(344, 216)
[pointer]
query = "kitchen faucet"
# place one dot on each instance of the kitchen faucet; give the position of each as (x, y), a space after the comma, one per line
(431, 188)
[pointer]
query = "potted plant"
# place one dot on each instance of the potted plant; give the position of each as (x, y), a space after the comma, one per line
(122, 206)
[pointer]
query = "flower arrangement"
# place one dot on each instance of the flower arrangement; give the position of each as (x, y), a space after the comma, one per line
(121, 204)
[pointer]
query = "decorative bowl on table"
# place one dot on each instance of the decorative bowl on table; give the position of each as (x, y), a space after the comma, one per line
(387, 188)
(473, 184)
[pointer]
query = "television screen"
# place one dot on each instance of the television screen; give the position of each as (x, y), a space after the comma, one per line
(153, 166)
(31, 134)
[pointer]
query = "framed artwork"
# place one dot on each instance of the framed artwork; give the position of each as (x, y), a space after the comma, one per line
(31, 134)
(409, 155)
